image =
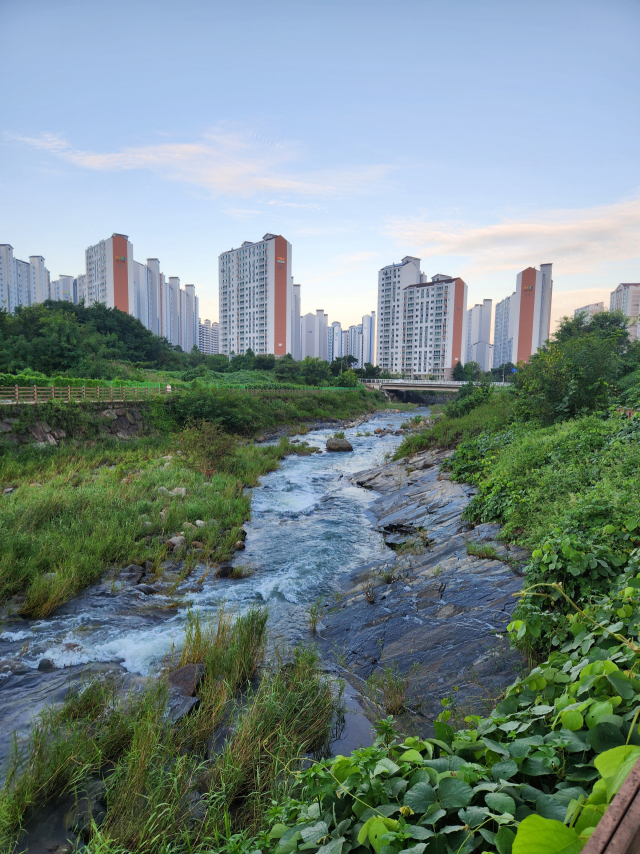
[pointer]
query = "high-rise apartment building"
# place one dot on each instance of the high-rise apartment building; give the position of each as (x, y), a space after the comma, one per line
(421, 323)
(208, 337)
(110, 273)
(503, 331)
(368, 354)
(334, 341)
(523, 320)
(40, 279)
(314, 335)
(355, 344)
(478, 346)
(626, 298)
(256, 295)
(21, 282)
(589, 310)
(62, 289)
(295, 323)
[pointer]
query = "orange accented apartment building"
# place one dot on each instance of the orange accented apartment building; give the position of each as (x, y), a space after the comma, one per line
(522, 320)
(109, 276)
(421, 323)
(257, 309)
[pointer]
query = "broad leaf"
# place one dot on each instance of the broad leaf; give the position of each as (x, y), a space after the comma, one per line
(537, 835)
(385, 765)
(420, 798)
(500, 803)
(615, 766)
(454, 793)
(504, 770)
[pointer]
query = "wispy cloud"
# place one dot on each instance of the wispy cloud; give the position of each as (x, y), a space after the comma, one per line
(226, 161)
(574, 240)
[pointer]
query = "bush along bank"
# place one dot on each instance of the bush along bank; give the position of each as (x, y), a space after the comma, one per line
(537, 774)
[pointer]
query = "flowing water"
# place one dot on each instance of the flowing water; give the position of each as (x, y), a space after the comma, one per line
(308, 525)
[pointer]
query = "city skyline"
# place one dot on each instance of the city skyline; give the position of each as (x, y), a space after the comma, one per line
(366, 153)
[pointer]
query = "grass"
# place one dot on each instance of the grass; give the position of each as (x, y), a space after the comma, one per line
(155, 772)
(446, 433)
(483, 551)
(315, 613)
(78, 511)
(386, 690)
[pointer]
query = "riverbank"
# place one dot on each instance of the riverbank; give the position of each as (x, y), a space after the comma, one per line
(121, 629)
(430, 620)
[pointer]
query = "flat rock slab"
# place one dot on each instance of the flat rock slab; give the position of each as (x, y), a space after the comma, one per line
(444, 616)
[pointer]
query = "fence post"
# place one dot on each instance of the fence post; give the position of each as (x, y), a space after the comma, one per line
(98, 392)
(35, 394)
(17, 395)
(68, 394)
(83, 392)
(122, 389)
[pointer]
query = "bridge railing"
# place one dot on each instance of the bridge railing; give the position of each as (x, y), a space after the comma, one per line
(439, 383)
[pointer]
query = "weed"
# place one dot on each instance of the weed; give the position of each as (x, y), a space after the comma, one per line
(315, 612)
(482, 550)
(339, 434)
(387, 689)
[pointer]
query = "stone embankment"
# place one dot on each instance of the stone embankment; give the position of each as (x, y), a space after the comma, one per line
(436, 609)
(116, 421)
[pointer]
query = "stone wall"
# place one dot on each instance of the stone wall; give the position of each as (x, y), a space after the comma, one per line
(120, 421)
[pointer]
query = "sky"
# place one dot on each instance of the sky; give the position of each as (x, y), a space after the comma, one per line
(481, 137)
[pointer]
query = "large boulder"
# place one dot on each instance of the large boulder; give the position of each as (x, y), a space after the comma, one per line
(334, 444)
(187, 678)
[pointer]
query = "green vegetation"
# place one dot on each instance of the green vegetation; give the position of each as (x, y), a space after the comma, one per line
(58, 343)
(78, 510)
(555, 461)
(165, 781)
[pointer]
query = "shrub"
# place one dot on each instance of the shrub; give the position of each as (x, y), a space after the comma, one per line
(207, 447)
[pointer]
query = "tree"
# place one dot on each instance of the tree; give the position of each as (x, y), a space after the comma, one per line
(264, 363)
(342, 363)
(458, 372)
(315, 371)
(347, 379)
(287, 370)
(578, 370)
(472, 371)
(217, 362)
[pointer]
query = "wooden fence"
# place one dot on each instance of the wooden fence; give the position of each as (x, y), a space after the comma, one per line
(40, 394)
(107, 394)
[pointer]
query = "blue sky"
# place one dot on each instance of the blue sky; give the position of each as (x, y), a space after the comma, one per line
(481, 137)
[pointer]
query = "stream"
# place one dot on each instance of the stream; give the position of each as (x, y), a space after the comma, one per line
(308, 526)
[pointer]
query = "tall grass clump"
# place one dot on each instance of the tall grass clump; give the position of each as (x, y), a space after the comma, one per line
(448, 432)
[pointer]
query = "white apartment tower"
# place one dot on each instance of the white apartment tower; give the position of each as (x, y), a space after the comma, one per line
(334, 341)
(22, 282)
(313, 333)
(39, 279)
(626, 298)
(208, 337)
(503, 331)
(256, 295)
(589, 310)
(295, 323)
(421, 324)
(62, 289)
(368, 339)
(478, 346)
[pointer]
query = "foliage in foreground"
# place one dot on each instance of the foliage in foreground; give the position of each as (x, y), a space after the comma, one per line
(542, 768)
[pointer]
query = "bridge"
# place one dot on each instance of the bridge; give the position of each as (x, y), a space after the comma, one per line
(421, 385)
